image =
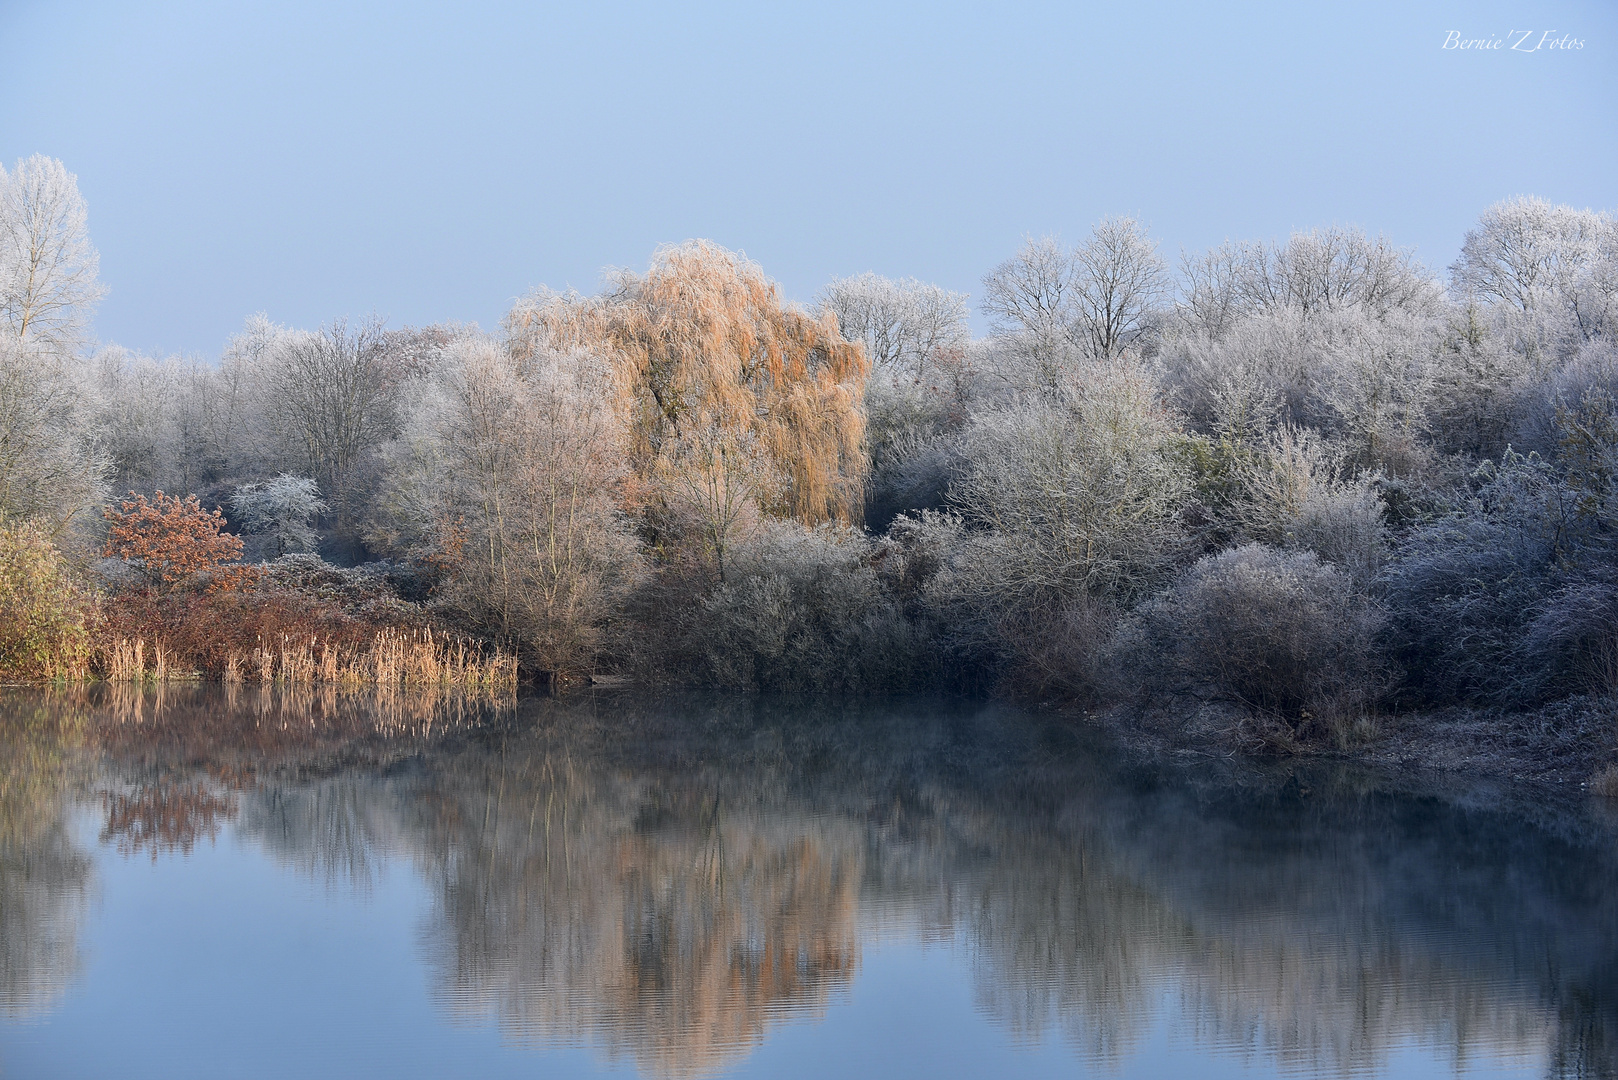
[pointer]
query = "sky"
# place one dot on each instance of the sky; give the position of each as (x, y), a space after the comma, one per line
(432, 163)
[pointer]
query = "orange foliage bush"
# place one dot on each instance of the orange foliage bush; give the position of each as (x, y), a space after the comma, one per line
(196, 602)
(173, 540)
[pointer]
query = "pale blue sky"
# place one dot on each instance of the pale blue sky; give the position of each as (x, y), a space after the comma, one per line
(432, 162)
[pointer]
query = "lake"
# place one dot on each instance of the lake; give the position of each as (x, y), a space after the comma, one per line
(208, 882)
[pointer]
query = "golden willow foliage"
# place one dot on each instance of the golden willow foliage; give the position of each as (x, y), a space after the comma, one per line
(702, 345)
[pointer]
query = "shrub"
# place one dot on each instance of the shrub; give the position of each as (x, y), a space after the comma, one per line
(42, 610)
(1059, 655)
(297, 602)
(173, 541)
(1280, 632)
(803, 610)
(1290, 493)
(1081, 495)
(1493, 601)
(281, 511)
(1570, 641)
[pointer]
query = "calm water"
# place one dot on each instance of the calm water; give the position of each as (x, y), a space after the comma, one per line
(284, 886)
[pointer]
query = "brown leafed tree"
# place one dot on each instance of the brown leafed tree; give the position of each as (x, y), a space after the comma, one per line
(704, 339)
(172, 540)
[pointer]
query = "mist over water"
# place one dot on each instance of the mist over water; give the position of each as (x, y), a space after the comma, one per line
(201, 883)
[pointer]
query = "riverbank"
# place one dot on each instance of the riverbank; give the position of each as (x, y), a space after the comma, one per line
(1566, 742)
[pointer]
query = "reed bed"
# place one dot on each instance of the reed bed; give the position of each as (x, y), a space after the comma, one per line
(126, 661)
(394, 658)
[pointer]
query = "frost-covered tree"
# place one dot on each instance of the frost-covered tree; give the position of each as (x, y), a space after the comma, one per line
(281, 510)
(333, 396)
(1119, 283)
(1550, 271)
(1319, 272)
(905, 325)
(509, 472)
(1093, 302)
(1029, 297)
(49, 465)
(48, 267)
(1527, 253)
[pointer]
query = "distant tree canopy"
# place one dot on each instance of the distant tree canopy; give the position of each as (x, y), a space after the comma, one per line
(702, 345)
(685, 477)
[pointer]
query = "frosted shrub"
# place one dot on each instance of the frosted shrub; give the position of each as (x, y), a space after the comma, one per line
(281, 511)
(1080, 495)
(1292, 495)
(1279, 632)
(1571, 643)
(803, 610)
(1462, 588)
(1511, 595)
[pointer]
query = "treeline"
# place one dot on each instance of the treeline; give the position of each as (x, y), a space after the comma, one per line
(1312, 478)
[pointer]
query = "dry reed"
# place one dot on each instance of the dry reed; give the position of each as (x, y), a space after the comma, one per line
(394, 658)
(417, 658)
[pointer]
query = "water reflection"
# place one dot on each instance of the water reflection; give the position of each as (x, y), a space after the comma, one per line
(669, 880)
(44, 874)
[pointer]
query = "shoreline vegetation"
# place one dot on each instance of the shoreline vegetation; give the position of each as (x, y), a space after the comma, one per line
(1300, 496)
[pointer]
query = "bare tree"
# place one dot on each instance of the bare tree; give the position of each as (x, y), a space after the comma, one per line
(50, 467)
(719, 480)
(521, 460)
(139, 406)
(1029, 298)
(1337, 269)
(333, 396)
(904, 325)
(1526, 252)
(1211, 293)
(1314, 273)
(1093, 302)
(1119, 284)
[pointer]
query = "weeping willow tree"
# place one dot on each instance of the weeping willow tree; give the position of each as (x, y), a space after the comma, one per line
(704, 349)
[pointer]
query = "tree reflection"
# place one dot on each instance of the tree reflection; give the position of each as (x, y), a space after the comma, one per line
(44, 875)
(160, 818)
(659, 921)
(669, 880)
